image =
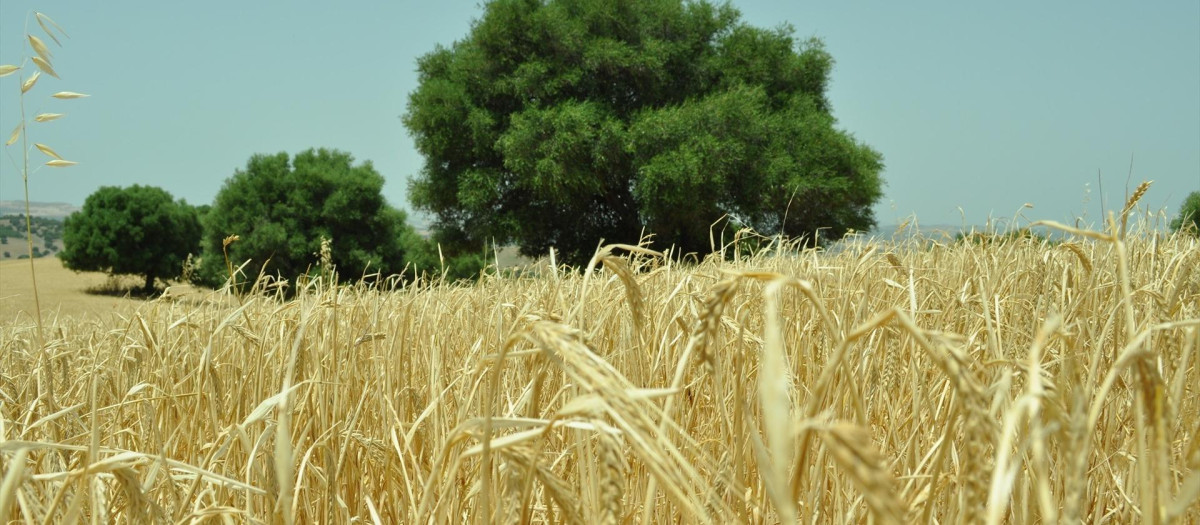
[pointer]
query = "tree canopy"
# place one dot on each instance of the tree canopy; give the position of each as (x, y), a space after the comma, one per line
(282, 207)
(561, 122)
(1189, 214)
(139, 230)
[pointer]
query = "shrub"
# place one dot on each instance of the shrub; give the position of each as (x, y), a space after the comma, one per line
(280, 208)
(1189, 214)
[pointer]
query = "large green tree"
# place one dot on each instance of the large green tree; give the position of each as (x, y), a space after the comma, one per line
(1189, 214)
(139, 230)
(561, 122)
(282, 207)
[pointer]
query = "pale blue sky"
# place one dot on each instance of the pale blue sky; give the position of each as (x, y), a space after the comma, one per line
(984, 107)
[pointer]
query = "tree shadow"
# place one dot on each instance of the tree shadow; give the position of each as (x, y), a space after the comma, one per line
(125, 286)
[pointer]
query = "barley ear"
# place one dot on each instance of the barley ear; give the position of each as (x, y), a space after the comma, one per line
(1133, 200)
(851, 447)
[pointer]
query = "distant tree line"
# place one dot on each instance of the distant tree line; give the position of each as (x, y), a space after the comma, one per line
(268, 219)
(12, 233)
(272, 218)
(44, 227)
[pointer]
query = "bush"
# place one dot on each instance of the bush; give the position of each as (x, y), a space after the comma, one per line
(281, 208)
(1189, 214)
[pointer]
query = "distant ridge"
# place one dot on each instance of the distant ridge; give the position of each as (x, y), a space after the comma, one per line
(49, 210)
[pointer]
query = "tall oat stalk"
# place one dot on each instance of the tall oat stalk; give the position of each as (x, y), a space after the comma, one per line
(43, 59)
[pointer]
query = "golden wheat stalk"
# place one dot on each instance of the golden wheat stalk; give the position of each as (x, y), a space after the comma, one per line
(812, 382)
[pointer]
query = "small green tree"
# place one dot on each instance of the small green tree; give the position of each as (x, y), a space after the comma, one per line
(557, 123)
(139, 230)
(281, 208)
(1189, 214)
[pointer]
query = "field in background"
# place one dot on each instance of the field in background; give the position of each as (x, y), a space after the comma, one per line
(70, 294)
(62, 292)
(1016, 381)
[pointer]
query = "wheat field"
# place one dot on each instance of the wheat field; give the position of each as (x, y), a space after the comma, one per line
(1014, 381)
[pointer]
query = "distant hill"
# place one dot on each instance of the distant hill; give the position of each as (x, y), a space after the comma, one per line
(47, 236)
(49, 210)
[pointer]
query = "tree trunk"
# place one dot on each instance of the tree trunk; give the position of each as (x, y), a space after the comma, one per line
(149, 283)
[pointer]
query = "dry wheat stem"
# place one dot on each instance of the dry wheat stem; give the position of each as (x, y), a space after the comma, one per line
(1012, 381)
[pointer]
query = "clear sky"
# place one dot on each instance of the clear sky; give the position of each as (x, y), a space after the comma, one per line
(983, 106)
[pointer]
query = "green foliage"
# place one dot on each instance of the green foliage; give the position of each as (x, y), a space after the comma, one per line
(423, 259)
(139, 230)
(14, 226)
(46, 230)
(1189, 214)
(984, 238)
(202, 211)
(560, 123)
(281, 208)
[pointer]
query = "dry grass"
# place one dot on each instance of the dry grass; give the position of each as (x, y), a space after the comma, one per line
(1013, 382)
(64, 293)
(79, 296)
